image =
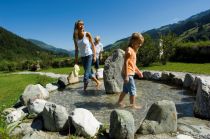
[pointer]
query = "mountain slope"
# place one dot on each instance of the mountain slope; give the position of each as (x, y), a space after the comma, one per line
(15, 48)
(194, 21)
(50, 47)
(194, 28)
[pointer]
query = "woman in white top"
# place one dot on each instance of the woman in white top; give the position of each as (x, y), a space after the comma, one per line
(86, 48)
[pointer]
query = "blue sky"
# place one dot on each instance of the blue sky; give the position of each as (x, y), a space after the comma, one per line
(52, 21)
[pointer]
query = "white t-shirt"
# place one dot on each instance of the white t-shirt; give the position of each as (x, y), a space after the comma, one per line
(99, 48)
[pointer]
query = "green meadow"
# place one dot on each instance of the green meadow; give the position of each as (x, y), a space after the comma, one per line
(170, 66)
(13, 85)
(181, 67)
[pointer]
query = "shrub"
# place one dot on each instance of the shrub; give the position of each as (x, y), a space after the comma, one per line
(168, 46)
(149, 52)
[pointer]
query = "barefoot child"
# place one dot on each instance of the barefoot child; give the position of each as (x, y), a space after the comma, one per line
(130, 68)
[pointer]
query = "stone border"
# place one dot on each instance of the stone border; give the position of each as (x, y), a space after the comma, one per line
(199, 84)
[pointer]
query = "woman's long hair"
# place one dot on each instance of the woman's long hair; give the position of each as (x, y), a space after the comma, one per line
(75, 34)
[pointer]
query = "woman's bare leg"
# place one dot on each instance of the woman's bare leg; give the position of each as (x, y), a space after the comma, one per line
(98, 83)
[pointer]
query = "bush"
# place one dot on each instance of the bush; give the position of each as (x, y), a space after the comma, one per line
(149, 52)
(8, 66)
(168, 46)
(192, 54)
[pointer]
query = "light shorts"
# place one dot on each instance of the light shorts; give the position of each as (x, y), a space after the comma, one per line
(130, 87)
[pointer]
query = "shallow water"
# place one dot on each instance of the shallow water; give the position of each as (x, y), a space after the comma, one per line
(101, 104)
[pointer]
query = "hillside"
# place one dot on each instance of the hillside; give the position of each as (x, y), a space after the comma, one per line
(14, 48)
(195, 21)
(194, 28)
(50, 47)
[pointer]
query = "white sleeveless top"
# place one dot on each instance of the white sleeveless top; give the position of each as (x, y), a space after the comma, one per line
(84, 46)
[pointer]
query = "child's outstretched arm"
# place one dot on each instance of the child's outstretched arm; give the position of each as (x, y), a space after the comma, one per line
(138, 72)
(127, 55)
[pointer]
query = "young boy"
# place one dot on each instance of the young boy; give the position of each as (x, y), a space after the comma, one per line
(129, 70)
(99, 50)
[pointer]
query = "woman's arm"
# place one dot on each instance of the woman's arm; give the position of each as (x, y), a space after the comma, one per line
(76, 52)
(92, 44)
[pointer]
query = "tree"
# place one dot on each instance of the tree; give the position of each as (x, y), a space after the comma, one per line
(168, 46)
(149, 52)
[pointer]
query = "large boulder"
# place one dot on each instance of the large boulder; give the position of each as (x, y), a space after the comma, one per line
(33, 92)
(27, 128)
(182, 136)
(178, 80)
(43, 135)
(202, 103)
(121, 125)
(161, 118)
(200, 129)
(37, 106)
(147, 75)
(62, 82)
(156, 76)
(50, 87)
(84, 122)
(113, 79)
(188, 80)
(7, 111)
(165, 76)
(55, 117)
(194, 86)
(17, 115)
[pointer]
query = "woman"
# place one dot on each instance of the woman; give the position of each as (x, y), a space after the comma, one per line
(85, 46)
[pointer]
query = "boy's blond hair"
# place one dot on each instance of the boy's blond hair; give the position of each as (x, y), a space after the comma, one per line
(136, 37)
(97, 38)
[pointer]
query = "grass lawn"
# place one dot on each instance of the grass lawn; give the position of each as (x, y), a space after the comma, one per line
(181, 67)
(12, 86)
(170, 66)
